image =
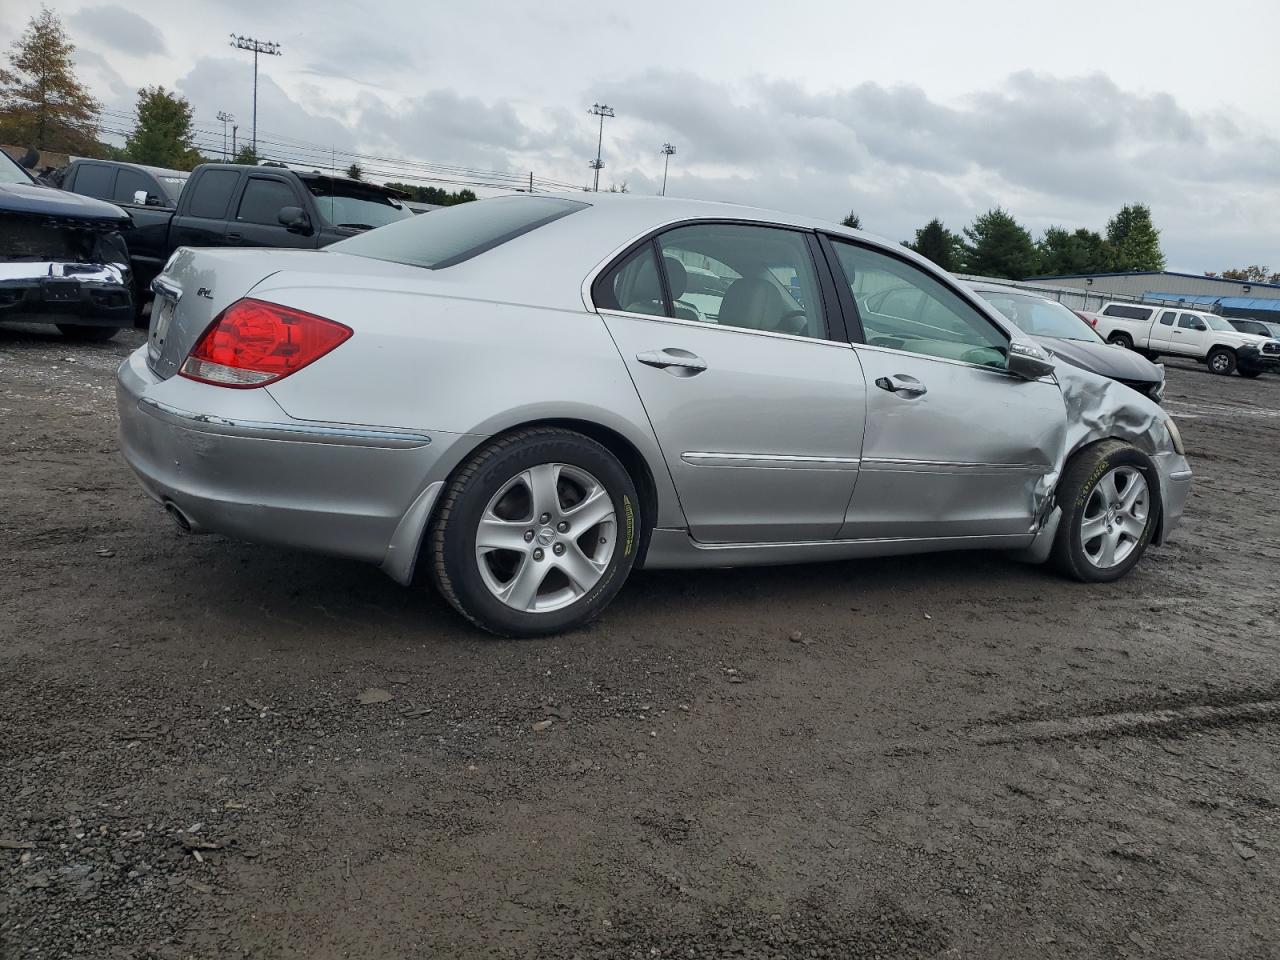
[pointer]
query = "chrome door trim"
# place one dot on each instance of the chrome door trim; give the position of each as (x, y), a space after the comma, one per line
(960, 363)
(774, 461)
(892, 464)
(298, 431)
(700, 325)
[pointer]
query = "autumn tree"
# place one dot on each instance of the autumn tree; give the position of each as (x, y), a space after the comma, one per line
(163, 135)
(1250, 274)
(42, 104)
(1134, 240)
(935, 242)
(998, 246)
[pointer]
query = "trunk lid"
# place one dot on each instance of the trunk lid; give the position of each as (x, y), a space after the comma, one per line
(194, 288)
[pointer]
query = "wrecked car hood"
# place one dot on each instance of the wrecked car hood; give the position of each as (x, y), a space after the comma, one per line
(1102, 358)
(69, 209)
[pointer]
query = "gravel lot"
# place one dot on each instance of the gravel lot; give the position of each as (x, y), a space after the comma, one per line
(949, 756)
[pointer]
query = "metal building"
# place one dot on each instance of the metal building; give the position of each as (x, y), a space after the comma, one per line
(1233, 298)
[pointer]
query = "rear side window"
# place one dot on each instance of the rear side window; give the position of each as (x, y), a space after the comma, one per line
(1128, 312)
(633, 285)
(95, 180)
(130, 182)
(212, 192)
(458, 233)
(263, 199)
(1167, 318)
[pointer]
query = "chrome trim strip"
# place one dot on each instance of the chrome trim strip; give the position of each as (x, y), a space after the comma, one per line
(297, 432)
(725, 327)
(891, 464)
(868, 541)
(1181, 475)
(170, 290)
(959, 363)
(775, 461)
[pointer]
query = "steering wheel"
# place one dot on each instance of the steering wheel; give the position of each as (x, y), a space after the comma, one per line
(786, 323)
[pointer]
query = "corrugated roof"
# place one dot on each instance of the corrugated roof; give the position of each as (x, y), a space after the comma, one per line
(1229, 303)
(1159, 273)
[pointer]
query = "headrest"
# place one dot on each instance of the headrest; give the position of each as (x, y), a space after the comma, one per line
(677, 276)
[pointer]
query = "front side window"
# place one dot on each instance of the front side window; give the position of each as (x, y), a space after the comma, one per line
(748, 277)
(903, 308)
(263, 200)
(1189, 321)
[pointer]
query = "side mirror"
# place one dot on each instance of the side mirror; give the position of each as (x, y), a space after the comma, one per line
(294, 219)
(1029, 360)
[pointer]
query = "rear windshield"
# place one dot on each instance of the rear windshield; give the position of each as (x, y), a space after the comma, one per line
(344, 204)
(172, 184)
(458, 233)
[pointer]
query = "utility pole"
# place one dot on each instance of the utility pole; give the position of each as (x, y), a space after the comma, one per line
(257, 46)
(599, 110)
(531, 181)
(225, 118)
(234, 151)
(667, 151)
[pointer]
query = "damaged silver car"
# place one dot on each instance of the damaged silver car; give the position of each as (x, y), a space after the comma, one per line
(525, 398)
(63, 259)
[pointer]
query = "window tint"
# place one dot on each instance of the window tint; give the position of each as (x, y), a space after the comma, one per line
(1124, 310)
(1190, 322)
(212, 192)
(1249, 326)
(756, 278)
(633, 285)
(1167, 318)
(346, 204)
(458, 233)
(263, 199)
(95, 180)
(903, 308)
(129, 182)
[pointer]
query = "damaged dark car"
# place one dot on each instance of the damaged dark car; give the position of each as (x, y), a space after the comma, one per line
(63, 258)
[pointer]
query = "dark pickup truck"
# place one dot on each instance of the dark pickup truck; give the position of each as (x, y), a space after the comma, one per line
(63, 258)
(233, 205)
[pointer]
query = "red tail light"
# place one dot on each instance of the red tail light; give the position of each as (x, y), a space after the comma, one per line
(252, 343)
(1091, 321)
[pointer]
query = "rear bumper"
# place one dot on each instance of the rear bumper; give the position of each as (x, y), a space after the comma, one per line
(54, 292)
(251, 472)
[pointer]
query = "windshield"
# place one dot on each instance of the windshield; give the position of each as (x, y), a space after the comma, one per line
(344, 204)
(1040, 317)
(1273, 329)
(11, 172)
(1217, 323)
(459, 232)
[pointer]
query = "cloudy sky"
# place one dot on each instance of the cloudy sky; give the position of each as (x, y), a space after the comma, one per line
(1058, 112)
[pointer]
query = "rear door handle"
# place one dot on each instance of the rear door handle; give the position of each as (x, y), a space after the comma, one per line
(903, 385)
(233, 236)
(675, 361)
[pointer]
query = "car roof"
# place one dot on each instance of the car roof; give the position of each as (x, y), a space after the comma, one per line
(154, 171)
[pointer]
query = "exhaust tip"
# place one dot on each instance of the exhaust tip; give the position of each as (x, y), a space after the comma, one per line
(180, 518)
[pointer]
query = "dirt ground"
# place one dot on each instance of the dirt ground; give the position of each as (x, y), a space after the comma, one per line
(954, 756)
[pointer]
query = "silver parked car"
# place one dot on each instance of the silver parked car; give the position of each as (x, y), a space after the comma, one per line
(521, 398)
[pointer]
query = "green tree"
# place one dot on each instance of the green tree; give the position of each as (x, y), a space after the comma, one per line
(246, 156)
(852, 221)
(1134, 239)
(42, 104)
(355, 172)
(163, 135)
(998, 246)
(1083, 251)
(421, 194)
(935, 242)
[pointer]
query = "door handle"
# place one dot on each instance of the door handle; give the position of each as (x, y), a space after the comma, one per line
(233, 236)
(678, 362)
(903, 385)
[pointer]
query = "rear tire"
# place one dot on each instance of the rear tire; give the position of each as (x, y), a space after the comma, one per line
(1121, 339)
(1221, 361)
(536, 533)
(90, 334)
(1109, 495)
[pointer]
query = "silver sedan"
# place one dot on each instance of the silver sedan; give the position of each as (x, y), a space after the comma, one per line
(525, 398)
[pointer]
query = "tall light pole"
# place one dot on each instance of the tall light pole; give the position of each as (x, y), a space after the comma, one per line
(225, 118)
(257, 46)
(667, 151)
(599, 110)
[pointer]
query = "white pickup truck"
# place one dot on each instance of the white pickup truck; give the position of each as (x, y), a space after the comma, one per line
(1206, 337)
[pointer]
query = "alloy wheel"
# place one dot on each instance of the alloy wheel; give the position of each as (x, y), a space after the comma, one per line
(546, 537)
(1115, 517)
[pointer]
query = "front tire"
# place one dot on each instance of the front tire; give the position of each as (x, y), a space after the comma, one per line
(85, 332)
(536, 533)
(1221, 361)
(1110, 500)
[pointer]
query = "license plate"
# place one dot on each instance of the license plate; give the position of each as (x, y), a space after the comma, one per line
(161, 317)
(61, 291)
